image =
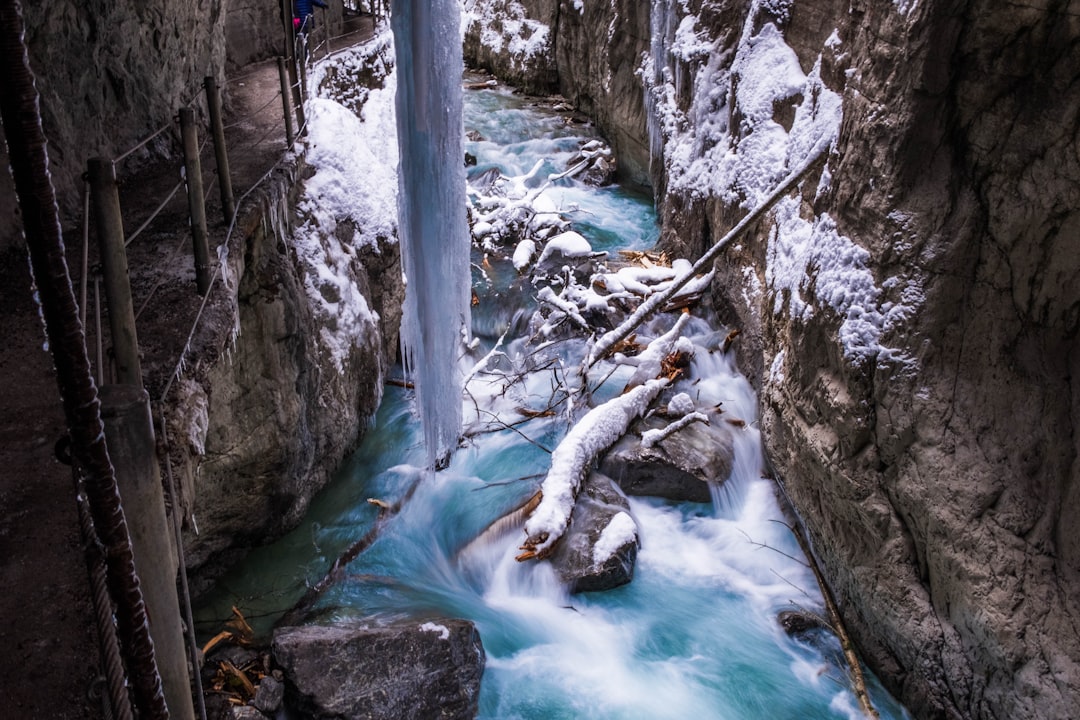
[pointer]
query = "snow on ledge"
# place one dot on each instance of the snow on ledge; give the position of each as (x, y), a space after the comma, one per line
(444, 632)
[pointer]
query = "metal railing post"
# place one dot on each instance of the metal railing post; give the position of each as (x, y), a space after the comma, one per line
(105, 197)
(286, 101)
(221, 153)
(196, 205)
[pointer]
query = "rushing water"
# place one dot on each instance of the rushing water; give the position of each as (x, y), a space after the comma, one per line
(695, 633)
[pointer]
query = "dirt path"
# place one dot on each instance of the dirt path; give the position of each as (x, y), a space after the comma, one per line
(48, 641)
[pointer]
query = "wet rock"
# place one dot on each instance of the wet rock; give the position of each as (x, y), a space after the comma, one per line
(679, 467)
(600, 547)
(800, 622)
(409, 670)
(246, 712)
(269, 696)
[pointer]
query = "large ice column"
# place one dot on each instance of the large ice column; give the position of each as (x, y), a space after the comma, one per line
(431, 211)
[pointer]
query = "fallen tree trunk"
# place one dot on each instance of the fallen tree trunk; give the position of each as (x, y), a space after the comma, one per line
(594, 433)
(658, 300)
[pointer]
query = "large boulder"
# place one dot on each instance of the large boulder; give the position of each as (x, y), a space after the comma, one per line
(679, 467)
(401, 671)
(599, 549)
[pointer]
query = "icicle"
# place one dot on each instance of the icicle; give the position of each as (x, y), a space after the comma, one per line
(431, 211)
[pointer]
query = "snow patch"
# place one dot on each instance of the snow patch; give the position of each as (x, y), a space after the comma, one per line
(620, 531)
(444, 632)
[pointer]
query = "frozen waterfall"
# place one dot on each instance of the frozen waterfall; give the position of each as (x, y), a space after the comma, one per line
(431, 212)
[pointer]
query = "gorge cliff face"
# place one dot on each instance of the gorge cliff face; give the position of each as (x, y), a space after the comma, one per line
(910, 317)
(275, 389)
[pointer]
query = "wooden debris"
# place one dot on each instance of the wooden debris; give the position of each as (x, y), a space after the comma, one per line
(628, 347)
(379, 503)
(675, 365)
(730, 339)
(400, 383)
(858, 680)
(736, 422)
(529, 413)
(646, 258)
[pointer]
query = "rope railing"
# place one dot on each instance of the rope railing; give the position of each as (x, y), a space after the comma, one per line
(157, 211)
(142, 143)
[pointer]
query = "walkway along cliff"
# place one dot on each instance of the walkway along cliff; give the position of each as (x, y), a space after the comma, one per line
(909, 318)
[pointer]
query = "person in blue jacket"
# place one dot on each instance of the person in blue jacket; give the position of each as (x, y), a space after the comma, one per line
(302, 14)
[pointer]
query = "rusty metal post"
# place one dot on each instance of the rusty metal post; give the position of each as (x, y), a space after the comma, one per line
(105, 197)
(196, 204)
(221, 153)
(129, 435)
(286, 101)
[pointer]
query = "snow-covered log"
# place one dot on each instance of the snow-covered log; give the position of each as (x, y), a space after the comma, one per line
(598, 430)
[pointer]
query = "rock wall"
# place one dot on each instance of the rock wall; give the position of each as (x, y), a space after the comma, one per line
(110, 73)
(296, 364)
(910, 317)
(263, 427)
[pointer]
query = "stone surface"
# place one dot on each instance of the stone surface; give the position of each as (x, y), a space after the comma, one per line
(412, 670)
(269, 696)
(574, 560)
(679, 467)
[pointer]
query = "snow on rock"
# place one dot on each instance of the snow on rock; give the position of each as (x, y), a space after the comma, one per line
(523, 253)
(620, 531)
(355, 181)
(805, 254)
(600, 428)
(735, 150)
(567, 245)
(680, 404)
(503, 24)
(442, 630)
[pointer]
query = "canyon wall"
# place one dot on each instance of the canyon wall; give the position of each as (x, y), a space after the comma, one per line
(260, 428)
(277, 390)
(296, 354)
(910, 316)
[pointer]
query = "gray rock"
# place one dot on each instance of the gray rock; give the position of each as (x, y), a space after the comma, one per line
(574, 560)
(246, 712)
(800, 622)
(679, 467)
(269, 696)
(407, 670)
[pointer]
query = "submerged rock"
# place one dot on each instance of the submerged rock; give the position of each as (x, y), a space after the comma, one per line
(800, 622)
(401, 671)
(599, 549)
(679, 467)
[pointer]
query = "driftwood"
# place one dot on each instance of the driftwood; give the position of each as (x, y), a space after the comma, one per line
(304, 605)
(858, 680)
